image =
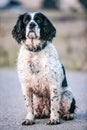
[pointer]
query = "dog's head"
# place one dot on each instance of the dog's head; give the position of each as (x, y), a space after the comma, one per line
(33, 26)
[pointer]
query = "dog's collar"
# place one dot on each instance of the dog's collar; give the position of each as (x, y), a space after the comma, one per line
(39, 48)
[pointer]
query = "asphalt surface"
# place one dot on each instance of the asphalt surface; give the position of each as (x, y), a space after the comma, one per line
(12, 108)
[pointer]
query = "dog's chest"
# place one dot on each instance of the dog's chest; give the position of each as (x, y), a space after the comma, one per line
(38, 74)
(38, 70)
(37, 65)
(34, 66)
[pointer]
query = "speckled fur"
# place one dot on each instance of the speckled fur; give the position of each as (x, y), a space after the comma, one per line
(42, 77)
(41, 74)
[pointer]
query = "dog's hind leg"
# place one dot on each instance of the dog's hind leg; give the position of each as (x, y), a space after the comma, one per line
(67, 105)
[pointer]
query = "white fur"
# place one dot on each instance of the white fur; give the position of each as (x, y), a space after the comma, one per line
(37, 29)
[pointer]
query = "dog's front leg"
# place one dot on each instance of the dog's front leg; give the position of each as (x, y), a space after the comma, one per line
(29, 107)
(55, 103)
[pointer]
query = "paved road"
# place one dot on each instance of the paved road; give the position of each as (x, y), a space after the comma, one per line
(12, 109)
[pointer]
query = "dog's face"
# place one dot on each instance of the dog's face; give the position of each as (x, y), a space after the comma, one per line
(33, 26)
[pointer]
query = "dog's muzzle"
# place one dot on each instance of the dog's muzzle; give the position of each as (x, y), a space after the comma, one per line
(32, 32)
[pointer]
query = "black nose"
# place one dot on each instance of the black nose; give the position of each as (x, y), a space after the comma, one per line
(32, 25)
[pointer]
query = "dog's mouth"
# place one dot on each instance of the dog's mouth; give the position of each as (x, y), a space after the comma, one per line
(32, 35)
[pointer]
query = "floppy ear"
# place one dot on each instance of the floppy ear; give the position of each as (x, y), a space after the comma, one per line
(49, 30)
(18, 31)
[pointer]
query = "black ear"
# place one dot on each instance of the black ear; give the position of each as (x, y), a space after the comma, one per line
(18, 31)
(49, 30)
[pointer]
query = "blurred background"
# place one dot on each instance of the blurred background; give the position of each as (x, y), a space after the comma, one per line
(68, 16)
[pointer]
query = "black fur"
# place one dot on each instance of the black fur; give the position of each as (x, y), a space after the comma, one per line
(47, 30)
(64, 82)
(73, 106)
(19, 31)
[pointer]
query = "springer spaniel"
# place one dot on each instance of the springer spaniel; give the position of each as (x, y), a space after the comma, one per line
(42, 76)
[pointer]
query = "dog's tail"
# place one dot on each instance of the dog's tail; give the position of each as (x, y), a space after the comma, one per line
(64, 82)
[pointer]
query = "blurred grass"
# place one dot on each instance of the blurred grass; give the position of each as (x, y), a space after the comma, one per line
(8, 57)
(70, 41)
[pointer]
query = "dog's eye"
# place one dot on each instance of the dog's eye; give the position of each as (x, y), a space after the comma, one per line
(38, 20)
(26, 19)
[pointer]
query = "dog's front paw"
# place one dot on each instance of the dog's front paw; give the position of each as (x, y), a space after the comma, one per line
(53, 122)
(28, 122)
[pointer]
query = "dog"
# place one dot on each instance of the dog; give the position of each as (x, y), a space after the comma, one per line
(42, 76)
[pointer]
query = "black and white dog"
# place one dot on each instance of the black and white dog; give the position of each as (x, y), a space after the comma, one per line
(41, 74)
